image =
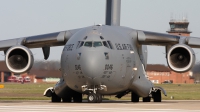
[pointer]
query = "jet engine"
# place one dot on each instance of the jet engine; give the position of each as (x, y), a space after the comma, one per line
(180, 58)
(19, 59)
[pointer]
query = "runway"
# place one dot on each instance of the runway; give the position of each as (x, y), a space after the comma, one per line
(106, 106)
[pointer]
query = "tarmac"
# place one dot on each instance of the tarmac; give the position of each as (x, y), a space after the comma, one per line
(105, 106)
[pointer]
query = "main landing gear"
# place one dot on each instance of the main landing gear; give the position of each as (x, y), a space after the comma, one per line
(146, 99)
(55, 98)
(134, 97)
(71, 95)
(156, 95)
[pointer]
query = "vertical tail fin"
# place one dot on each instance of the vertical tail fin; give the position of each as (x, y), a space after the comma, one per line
(113, 8)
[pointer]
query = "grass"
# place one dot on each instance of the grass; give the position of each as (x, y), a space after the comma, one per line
(182, 91)
(26, 91)
(30, 91)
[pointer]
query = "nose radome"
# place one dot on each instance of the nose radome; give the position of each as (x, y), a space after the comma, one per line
(90, 64)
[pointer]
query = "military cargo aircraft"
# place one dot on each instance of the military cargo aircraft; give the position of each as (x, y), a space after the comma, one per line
(102, 59)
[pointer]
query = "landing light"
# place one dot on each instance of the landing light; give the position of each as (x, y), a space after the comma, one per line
(135, 69)
(131, 52)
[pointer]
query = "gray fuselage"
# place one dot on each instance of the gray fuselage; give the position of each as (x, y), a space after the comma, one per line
(105, 55)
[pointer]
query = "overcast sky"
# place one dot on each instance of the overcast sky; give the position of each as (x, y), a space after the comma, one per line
(20, 18)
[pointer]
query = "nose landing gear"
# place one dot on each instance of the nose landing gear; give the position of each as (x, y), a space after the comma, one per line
(93, 95)
(94, 98)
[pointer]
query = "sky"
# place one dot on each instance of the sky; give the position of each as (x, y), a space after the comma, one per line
(21, 18)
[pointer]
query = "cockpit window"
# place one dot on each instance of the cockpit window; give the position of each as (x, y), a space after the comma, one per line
(97, 44)
(110, 44)
(78, 44)
(88, 44)
(101, 38)
(81, 44)
(105, 44)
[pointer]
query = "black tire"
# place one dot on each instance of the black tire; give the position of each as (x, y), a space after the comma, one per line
(92, 98)
(147, 99)
(77, 97)
(157, 96)
(134, 97)
(55, 98)
(68, 96)
(99, 98)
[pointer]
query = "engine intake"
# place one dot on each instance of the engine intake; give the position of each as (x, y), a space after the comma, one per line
(19, 59)
(180, 58)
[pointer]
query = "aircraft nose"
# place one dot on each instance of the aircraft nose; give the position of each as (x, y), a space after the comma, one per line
(91, 62)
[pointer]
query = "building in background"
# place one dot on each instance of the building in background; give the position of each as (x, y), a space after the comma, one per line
(35, 75)
(160, 74)
(179, 27)
(48, 76)
(5, 73)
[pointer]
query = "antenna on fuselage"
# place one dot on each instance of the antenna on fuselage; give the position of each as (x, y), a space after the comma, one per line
(113, 8)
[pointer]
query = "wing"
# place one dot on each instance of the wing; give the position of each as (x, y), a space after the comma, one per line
(153, 38)
(45, 40)
(179, 53)
(19, 58)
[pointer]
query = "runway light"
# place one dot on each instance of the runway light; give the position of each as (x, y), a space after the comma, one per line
(1, 86)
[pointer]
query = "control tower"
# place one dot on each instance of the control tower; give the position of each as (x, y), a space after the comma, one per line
(179, 27)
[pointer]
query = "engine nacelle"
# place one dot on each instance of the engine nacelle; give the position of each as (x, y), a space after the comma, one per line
(19, 59)
(180, 58)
